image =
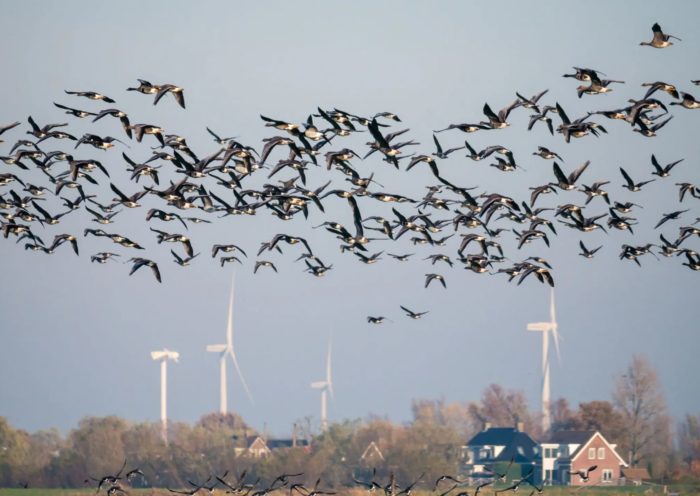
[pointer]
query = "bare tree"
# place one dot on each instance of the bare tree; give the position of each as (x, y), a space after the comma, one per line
(645, 422)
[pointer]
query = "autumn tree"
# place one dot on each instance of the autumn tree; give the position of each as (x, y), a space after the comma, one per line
(563, 418)
(503, 408)
(427, 446)
(645, 430)
(14, 454)
(601, 416)
(689, 442)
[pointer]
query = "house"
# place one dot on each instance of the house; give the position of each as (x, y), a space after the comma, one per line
(634, 476)
(371, 456)
(256, 448)
(494, 448)
(571, 451)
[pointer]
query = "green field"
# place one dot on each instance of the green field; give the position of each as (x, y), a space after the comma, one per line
(558, 491)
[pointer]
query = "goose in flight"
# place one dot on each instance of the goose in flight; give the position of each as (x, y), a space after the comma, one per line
(430, 277)
(663, 171)
(687, 101)
(376, 320)
(92, 95)
(630, 184)
(585, 252)
(584, 474)
(568, 183)
(499, 121)
(263, 263)
(145, 87)
(413, 315)
(672, 216)
(139, 262)
(174, 90)
(660, 39)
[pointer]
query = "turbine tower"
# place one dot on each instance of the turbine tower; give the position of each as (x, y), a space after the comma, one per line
(225, 350)
(325, 387)
(546, 328)
(164, 356)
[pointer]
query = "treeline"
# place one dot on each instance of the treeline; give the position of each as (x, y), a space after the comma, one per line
(634, 418)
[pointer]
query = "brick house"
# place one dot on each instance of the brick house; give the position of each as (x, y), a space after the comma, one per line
(570, 451)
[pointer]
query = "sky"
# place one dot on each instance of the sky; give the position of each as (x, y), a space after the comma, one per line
(75, 337)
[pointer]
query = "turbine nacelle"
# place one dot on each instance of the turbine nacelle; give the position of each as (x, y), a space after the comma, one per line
(217, 348)
(165, 355)
(319, 385)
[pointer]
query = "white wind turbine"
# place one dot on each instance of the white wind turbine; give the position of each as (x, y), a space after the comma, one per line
(164, 356)
(225, 350)
(325, 386)
(546, 328)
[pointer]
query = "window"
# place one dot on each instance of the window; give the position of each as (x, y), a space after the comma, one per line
(591, 453)
(548, 452)
(555, 453)
(607, 475)
(601, 453)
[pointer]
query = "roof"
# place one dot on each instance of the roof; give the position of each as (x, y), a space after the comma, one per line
(518, 446)
(258, 443)
(286, 443)
(372, 451)
(570, 437)
(635, 473)
(582, 439)
(494, 436)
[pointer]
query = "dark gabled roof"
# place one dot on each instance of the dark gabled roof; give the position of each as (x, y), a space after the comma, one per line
(286, 443)
(518, 446)
(570, 437)
(521, 450)
(494, 436)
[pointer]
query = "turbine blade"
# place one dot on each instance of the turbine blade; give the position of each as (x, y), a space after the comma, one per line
(240, 375)
(552, 313)
(554, 325)
(329, 379)
(229, 325)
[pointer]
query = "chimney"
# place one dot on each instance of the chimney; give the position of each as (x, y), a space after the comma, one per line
(487, 425)
(520, 426)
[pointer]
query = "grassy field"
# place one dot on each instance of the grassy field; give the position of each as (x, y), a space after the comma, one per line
(549, 491)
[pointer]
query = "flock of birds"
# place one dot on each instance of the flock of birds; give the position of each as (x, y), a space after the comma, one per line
(444, 485)
(48, 183)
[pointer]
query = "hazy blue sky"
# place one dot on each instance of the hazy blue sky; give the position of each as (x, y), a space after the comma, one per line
(75, 337)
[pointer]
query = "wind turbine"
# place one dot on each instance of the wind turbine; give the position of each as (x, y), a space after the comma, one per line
(546, 328)
(325, 387)
(164, 356)
(225, 350)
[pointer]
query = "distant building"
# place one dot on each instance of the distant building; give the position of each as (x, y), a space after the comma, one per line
(494, 448)
(571, 451)
(259, 447)
(278, 444)
(371, 456)
(256, 447)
